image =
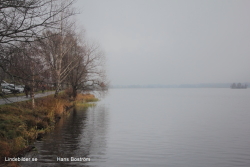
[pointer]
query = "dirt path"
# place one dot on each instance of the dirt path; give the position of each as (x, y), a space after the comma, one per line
(23, 98)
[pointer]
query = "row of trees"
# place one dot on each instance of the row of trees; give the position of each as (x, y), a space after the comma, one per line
(39, 45)
(238, 86)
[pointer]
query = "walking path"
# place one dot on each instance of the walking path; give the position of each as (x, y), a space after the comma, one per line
(23, 98)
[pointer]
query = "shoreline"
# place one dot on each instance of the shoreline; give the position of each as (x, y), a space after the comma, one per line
(20, 125)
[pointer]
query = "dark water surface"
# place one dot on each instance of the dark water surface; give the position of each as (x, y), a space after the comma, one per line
(154, 127)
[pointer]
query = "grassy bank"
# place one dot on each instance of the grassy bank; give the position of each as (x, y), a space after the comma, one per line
(20, 125)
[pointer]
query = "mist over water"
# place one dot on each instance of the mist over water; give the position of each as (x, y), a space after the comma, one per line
(171, 42)
(155, 127)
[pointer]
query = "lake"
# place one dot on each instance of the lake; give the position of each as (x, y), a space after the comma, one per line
(153, 128)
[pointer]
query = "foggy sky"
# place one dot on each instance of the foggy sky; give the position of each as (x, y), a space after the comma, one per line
(170, 41)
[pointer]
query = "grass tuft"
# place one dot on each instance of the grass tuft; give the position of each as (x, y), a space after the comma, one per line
(86, 98)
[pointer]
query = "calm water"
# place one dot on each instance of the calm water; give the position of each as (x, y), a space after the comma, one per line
(154, 127)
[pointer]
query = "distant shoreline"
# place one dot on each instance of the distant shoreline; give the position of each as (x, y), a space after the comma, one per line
(202, 85)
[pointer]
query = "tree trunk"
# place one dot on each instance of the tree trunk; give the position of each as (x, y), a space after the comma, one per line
(57, 90)
(32, 92)
(74, 92)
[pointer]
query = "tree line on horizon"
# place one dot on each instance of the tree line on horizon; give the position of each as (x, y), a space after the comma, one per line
(203, 85)
(238, 86)
(40, 44)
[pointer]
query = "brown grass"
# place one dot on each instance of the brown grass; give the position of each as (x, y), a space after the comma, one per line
(20, 124)
(86, 98)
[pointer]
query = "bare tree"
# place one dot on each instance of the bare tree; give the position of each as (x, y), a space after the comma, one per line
(25, 66)
(38, 44)
(25, 20)
(55, 48)
(89, 73)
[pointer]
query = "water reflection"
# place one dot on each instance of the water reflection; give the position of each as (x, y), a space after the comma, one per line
(155, 127)
(82, 134)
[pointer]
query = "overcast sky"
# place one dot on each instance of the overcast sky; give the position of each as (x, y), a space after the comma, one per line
(170, 41)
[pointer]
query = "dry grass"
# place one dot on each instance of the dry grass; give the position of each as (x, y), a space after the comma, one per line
(82, 100)
(20, 124)
(85, 105)
(86, 98)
